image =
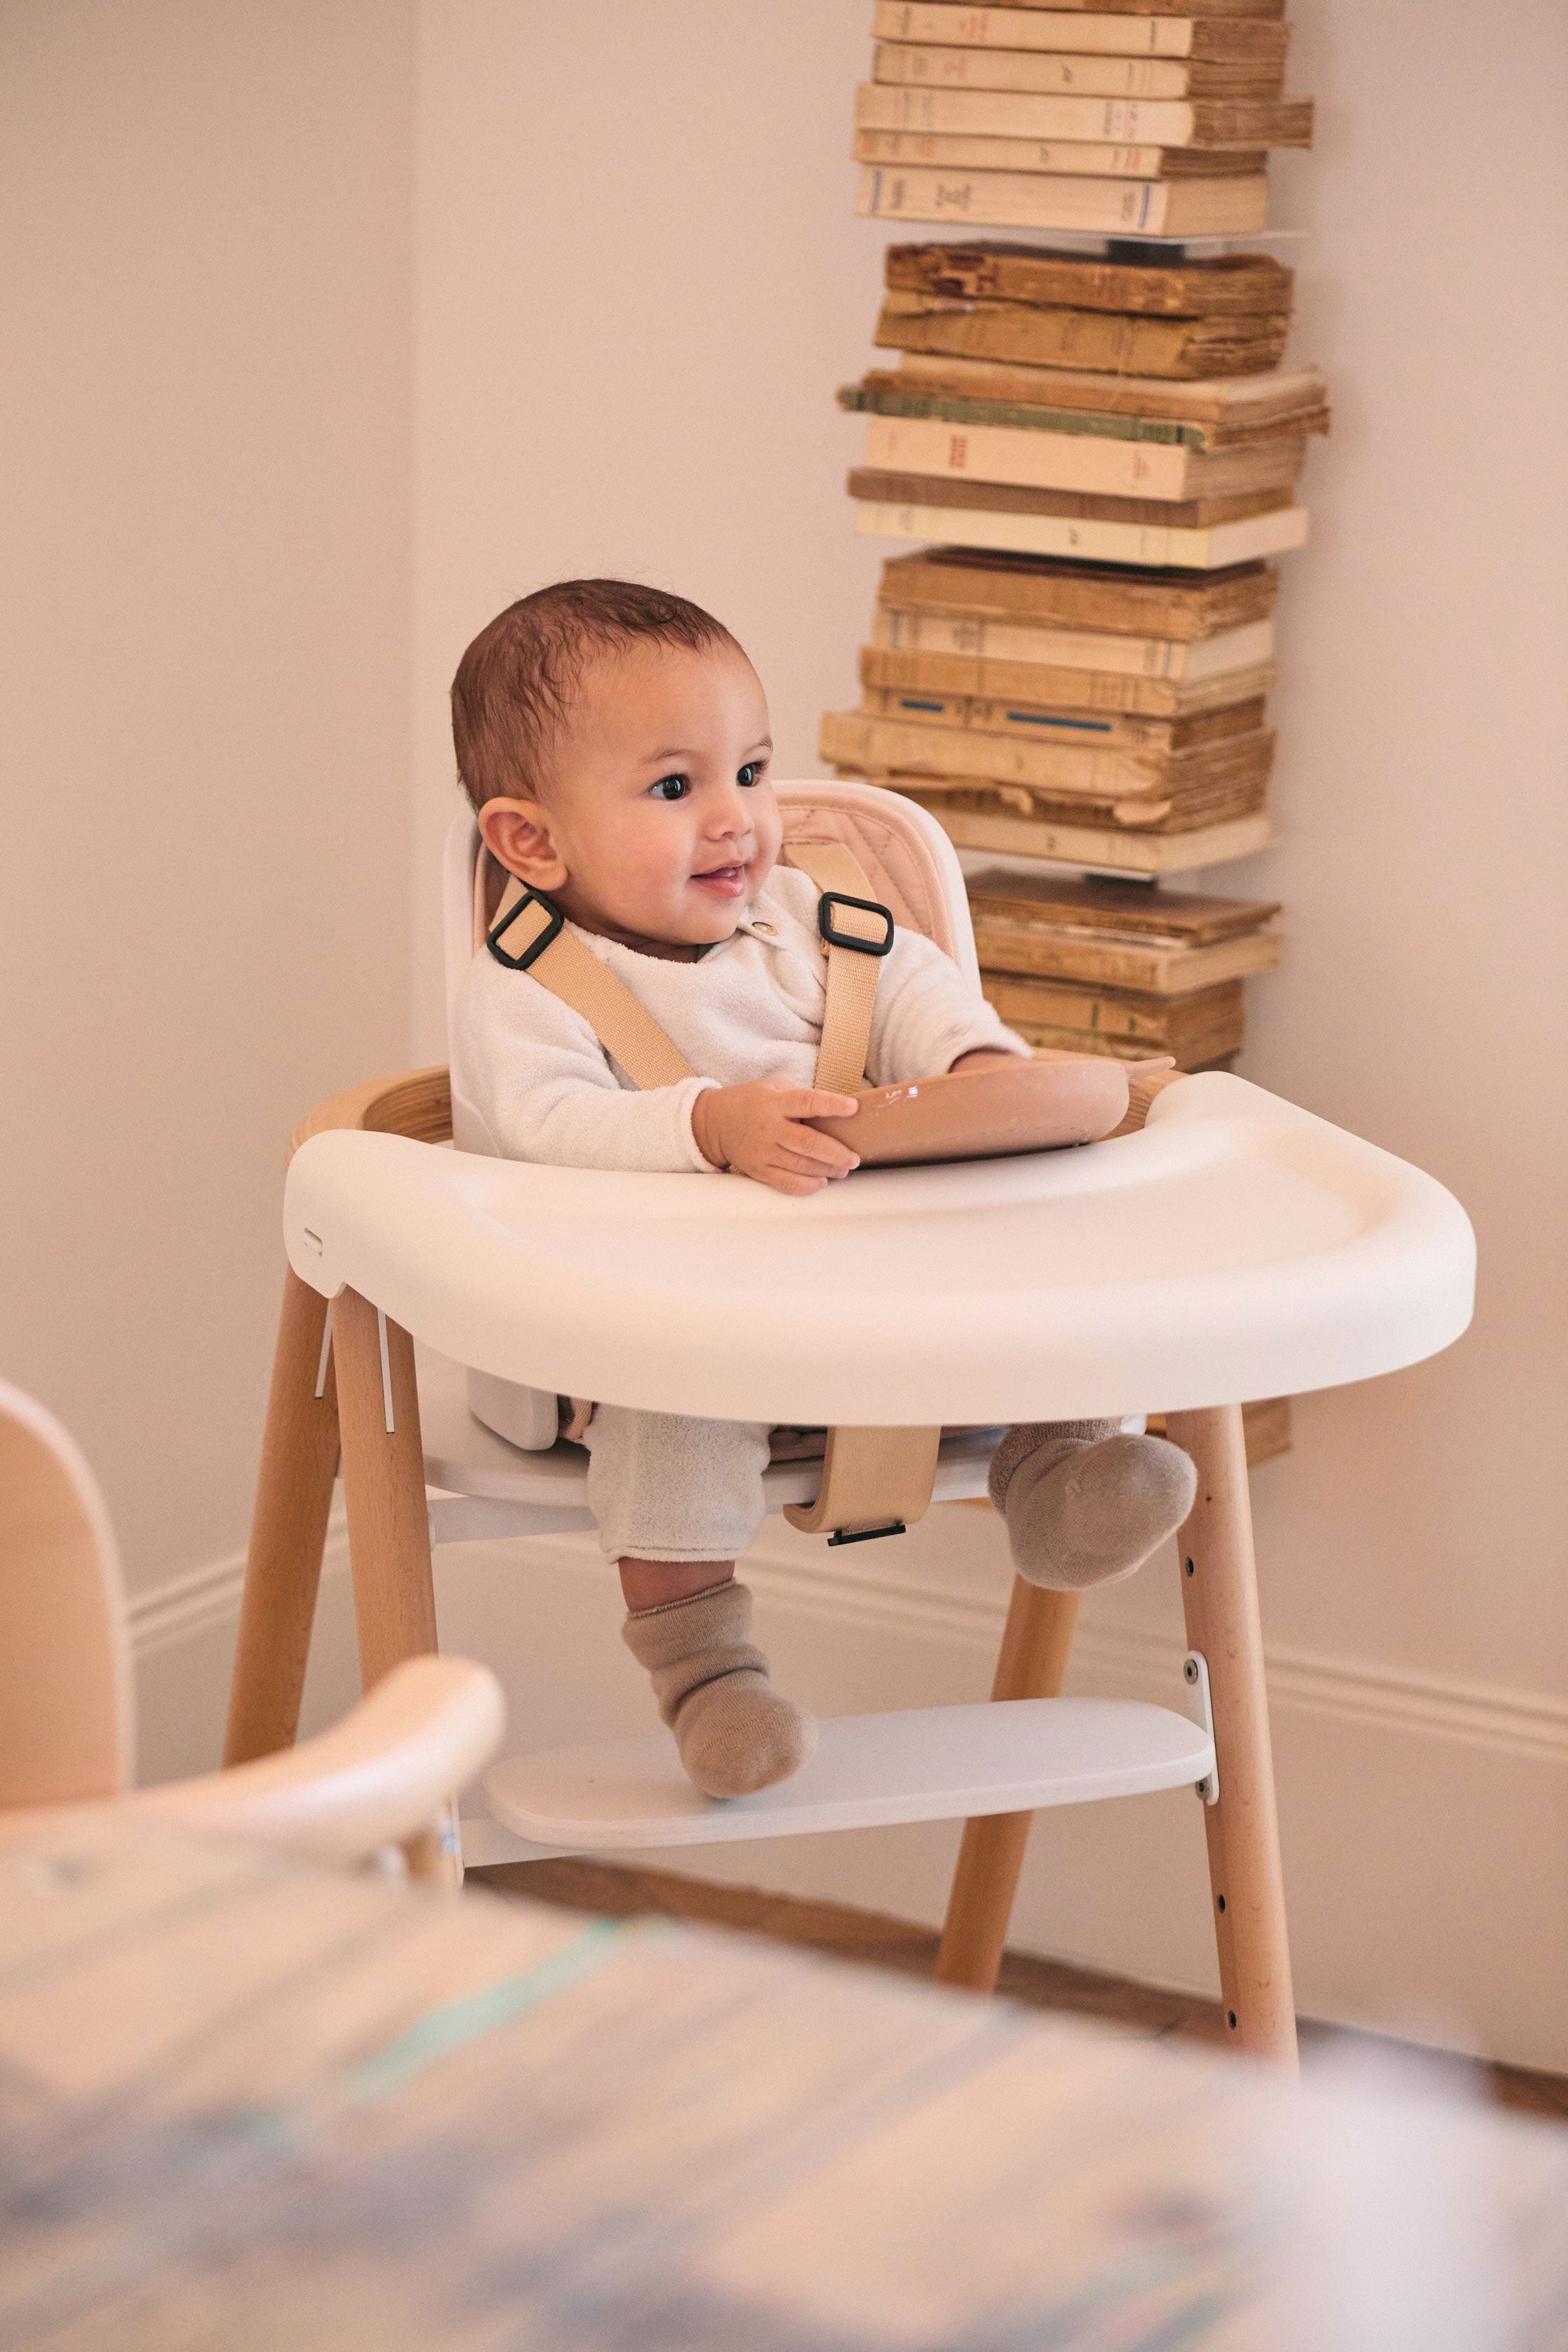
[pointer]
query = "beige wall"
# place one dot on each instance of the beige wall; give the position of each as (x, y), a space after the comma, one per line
(203, 896)
(640, 282)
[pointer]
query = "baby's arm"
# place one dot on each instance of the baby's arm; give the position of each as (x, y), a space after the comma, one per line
(930, 1018)
(535, 1075)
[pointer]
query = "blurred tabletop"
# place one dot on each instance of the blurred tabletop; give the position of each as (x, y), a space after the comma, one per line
(250, 2106)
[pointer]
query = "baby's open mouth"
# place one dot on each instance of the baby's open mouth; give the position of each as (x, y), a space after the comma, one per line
(724, 881)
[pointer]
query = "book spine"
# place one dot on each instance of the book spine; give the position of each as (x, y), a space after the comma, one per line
(998, 114)
(942, 151)
(1016, 200)
(1161, 658)
(904, 64)
(1082, 689)
(1101, 848)
(1033, 29)
(1146, 544)
(939, 395)
(996, 715)
(1030, 459)
(1031, 952)
(850, 739)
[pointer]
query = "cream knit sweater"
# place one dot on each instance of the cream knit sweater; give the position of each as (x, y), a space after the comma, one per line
(530, 1081)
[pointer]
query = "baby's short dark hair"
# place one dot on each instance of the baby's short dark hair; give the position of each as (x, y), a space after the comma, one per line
(513, 690)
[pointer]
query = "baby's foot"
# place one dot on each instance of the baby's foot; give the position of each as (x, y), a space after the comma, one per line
(736, 1734)
(1085, 1504)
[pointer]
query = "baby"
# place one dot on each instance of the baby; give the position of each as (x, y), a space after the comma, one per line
(615, 742)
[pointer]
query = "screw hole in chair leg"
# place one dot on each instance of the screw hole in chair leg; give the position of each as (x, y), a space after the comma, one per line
(1230, 2019)
(1220, 1900)
(1189, 1567)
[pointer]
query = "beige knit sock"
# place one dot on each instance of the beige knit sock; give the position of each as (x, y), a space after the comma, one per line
(736, 1734)
(1085, 1504)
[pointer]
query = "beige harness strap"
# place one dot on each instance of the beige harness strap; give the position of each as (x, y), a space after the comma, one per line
(874, 1482)
(852, 972)
(630, 1036)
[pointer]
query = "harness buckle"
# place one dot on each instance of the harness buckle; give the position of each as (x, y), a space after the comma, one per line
(535, 947)
(837, 939)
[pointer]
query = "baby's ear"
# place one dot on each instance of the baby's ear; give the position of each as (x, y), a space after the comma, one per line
(517, 834)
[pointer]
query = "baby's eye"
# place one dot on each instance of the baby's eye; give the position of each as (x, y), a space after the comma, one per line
(672, 788)
(752, 773)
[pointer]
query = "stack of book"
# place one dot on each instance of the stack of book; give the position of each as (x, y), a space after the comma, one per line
(1105, 449)
(1131, 121)
(1104, 966)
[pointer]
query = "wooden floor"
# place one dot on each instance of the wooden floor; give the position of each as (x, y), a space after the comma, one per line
(879, 1942)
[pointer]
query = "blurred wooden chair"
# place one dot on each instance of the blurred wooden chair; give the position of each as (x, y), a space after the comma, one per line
(384, 1778)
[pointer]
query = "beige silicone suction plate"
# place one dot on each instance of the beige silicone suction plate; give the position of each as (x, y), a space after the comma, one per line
(988, 1114)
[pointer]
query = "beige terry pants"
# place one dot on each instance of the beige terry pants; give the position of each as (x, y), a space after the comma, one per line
(664, 1486)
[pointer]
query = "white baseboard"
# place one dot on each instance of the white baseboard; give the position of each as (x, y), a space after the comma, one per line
(1424, 1817)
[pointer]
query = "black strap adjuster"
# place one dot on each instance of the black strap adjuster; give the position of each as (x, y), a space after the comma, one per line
(836, 938)
(552, 930)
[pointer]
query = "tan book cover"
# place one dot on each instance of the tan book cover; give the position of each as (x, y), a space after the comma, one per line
(1219, 412)
(1033, 722)
(1199, 1026)
(1105, 342)
(1029, 457)
(1004, 831)
(1188, 810)
(1223, 207)
(919, 629)
(1099, 961)
(875, 485)
(1081, 158)
(1116, 773)
(913, 62)
(1236, 285)
(1142, 121)
(1195, 32)
(1119, 935)
(1080, 595)
(1188, 919)
(1084, 689)
(985, 530)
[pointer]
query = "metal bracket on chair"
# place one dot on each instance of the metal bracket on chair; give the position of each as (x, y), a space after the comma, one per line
(1195, 1674)
(386, 1372)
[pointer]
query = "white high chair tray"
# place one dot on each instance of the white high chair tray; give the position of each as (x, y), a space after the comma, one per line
(1235, 1247)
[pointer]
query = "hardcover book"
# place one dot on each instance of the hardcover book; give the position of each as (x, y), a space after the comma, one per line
(1219, 207)
(1085, 596)
(906, 63)
(1104, 690)
(1232, 286)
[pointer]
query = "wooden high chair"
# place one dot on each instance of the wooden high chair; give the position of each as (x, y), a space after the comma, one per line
(384, 1776)
(1223, 1246)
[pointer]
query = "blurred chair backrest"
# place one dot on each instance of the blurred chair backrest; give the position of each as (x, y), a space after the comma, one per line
(67, 1711)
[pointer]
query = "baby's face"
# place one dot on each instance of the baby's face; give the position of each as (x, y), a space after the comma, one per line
(658, 823)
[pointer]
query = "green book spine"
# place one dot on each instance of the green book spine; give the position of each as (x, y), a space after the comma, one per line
(948, 411)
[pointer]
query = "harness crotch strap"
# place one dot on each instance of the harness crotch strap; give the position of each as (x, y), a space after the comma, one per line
(874, 1481)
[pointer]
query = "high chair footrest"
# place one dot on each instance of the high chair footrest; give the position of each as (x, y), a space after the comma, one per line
(922, 1764)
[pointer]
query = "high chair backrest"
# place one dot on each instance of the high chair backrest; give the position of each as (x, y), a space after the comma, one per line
(66, 1711)
(910, 863)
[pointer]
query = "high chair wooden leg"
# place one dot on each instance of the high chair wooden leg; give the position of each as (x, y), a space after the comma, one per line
(288, 1532)
(383, 1486)
(1219, 1597)
(1032, 1664)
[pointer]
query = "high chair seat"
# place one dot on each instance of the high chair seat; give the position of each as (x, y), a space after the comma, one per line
(1235, 1247)
(1231, 1247)
(492, 1488)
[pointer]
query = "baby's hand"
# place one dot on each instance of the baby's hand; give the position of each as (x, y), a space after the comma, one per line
(756, 1130)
